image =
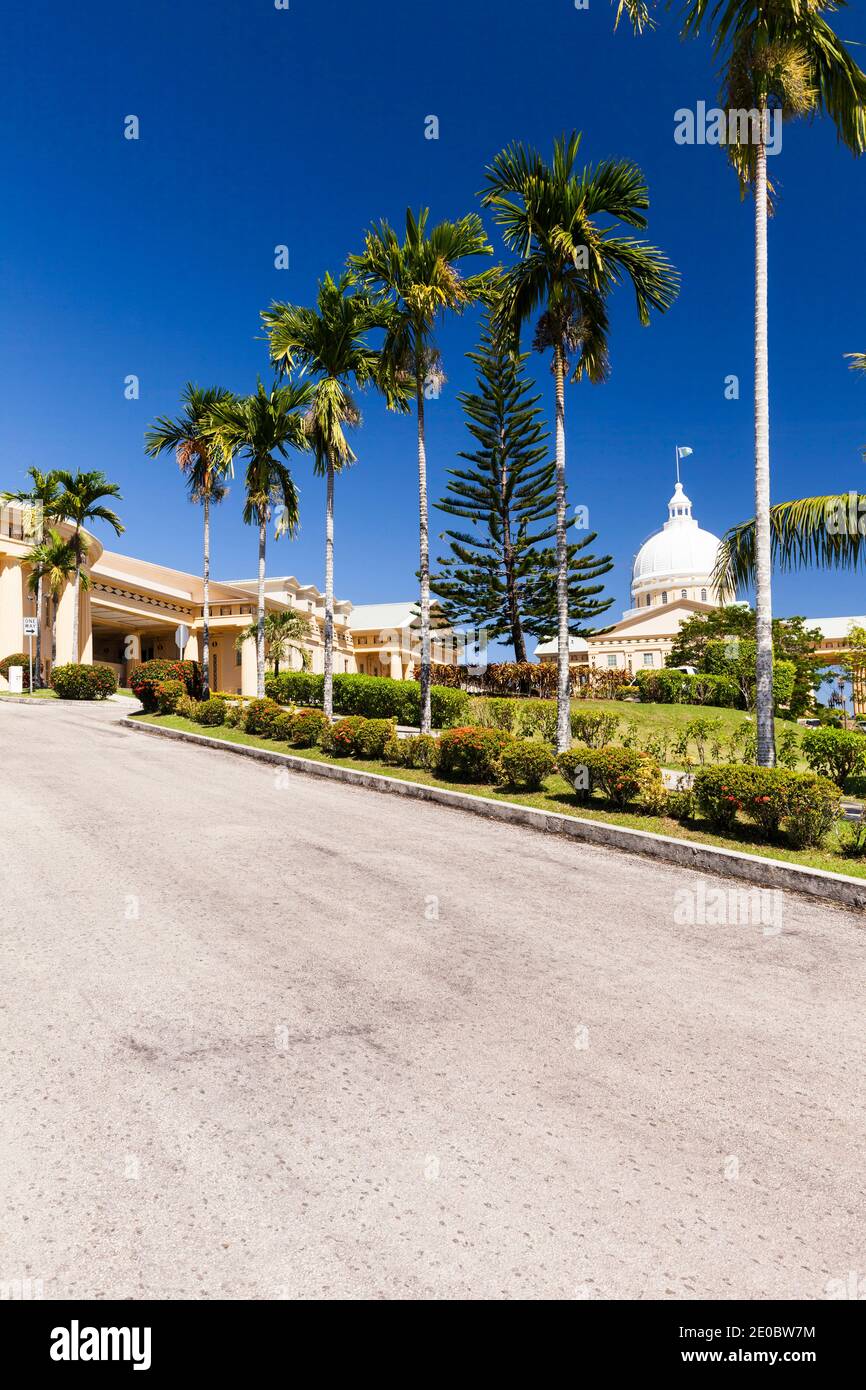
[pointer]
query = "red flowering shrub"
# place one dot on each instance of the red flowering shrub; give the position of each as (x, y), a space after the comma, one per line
(145, 678)
(470, 754)
(260, 717)
(773, 798)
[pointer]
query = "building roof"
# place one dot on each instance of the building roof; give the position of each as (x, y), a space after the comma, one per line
(550, 648)
(832, 628)
(367, 617)
(681, 547)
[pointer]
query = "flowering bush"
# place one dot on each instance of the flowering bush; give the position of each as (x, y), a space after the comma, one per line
(342, 738)
(145, 679)
(805, 805)
(211, 712)
(260, 718)
(167, 695)
(80, 682)
(471, 754)
(419, 751)
(306, 727)
(622, 774)
(526, 763)
(17, 659)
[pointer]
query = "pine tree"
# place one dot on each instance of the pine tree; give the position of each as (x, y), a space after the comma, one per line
(501, 576)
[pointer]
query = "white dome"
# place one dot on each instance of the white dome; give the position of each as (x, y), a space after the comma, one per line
(681, 547)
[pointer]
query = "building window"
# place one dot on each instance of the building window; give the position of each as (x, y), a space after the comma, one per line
(649, 659)
(611, 661)
(649, 599)
(239, 658)
(664, 597)
(683, 593)
(703, 595)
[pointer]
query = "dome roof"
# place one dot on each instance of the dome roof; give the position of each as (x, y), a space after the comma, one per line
(680, 548)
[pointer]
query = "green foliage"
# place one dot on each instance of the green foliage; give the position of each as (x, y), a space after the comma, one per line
(260, 717)
(145, 678)
(806, 805)
(471, 754)
(79, 682)
(357, 737)
(621, 774)
(420, 751)
(376, 697)
(834, 753)
(668, 687)
(526, 763)
(534, 678)
(306, 727)
(167, 695)
(733, 627)
(595, 728)
(211, 712)
(187, 707)
(17, 659)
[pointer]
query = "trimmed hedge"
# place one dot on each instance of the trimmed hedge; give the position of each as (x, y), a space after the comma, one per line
(374, 697)
(211, 712)
(357, 737)
(622, 774)
(145, 678)
(526, 763)
(805, 805)
(471, 754)
(76, 681)
(679, 688)
(419, 751)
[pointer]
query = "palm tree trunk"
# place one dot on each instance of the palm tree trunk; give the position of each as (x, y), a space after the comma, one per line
(426, 721)
(37, 676)
(205, 636)
(75, 602)
(763, 594)
(563, 688)
(328, 702)
(260, 626)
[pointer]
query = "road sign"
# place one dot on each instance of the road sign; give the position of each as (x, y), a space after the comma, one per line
(30, 627)
(181, 636)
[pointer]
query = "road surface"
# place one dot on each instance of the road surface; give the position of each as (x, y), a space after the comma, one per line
(276, 1038)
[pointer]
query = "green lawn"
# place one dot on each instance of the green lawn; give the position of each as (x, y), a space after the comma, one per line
(556, 796)
(669, 720)
(36, 695)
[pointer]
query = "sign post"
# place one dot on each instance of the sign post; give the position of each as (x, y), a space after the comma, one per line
(30, 628)
(181, 637)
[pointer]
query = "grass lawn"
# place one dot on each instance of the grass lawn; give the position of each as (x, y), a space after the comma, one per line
(36, 695)
(557, 796)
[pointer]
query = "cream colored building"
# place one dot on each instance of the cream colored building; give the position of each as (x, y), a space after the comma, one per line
(133, 608)
(671, 580)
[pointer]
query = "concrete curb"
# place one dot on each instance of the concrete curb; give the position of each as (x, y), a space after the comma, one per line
(766, 873)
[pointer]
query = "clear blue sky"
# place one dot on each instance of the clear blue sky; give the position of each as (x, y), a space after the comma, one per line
(261, 126)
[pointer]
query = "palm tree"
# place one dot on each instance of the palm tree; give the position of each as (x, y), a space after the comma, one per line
(203, 466)
(42, 497)
(81, 501)
(284, 633)
(264, 427)
(53, 563)
(417, 282)
(329, 344)
(565, 227)
(773, 55)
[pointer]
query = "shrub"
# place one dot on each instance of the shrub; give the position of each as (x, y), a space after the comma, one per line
(574, 768)
(17, 659)
(520, 717)
(472, 754)
(419, 751)
(622, 774)
(167, 695)
(526, 763)
(372, 737)
(234, 717)
(595, 728)
(679, 805)
(669, 687)
(627, 692)
(834, 753)
(375, 697)
(772, 798)
(79, 682)
(260, 718)
(341, 738)
(187, 707)
(306, 727)
(145, 679)
(211, 712)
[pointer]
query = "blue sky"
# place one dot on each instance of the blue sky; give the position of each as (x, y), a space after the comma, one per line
(261, 127)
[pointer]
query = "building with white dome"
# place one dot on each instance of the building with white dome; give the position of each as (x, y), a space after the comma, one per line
(671, 581)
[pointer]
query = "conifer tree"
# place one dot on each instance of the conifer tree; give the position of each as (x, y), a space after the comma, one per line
(500, 575)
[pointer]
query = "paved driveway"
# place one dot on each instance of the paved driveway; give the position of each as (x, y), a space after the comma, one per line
(287, 1038)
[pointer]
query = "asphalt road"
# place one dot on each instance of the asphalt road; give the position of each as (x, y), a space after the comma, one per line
(284, 1038)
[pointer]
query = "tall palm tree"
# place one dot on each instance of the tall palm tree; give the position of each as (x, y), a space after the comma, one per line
(772, 54)
(53, 564)
(284, 633)
(204, 468)
(418, 282)
(42, 497)
(328, 343)
(565, 225)
(81, 501)
(264, 427)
